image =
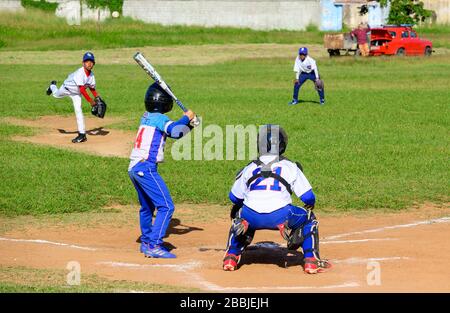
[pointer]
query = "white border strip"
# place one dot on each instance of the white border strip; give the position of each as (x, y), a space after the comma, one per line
(376, 230)
(41, 241)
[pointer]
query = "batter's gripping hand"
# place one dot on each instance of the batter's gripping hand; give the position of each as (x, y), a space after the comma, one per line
(99, 107)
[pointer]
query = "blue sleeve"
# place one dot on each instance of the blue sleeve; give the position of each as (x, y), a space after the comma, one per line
(178, 129)
(156, 120)
(234, 199)
(308, 197)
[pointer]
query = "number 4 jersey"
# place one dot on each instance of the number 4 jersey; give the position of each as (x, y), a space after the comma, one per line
(150, 139)
(265, 195)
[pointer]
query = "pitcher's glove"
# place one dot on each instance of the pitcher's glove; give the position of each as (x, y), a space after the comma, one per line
(99, 107)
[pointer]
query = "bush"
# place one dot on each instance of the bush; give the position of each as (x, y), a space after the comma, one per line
(112, 5)
(41, 4)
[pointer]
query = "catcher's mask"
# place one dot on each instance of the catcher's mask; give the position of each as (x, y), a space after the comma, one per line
(157, 100)
(272, 139)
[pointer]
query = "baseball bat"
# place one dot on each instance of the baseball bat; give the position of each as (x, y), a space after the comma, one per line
(150, 70)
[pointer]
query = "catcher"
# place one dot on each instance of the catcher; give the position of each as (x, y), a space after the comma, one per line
(76, 85)
(261, 196)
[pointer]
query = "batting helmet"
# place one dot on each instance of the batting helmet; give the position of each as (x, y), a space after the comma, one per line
(89, 56)
(303, 50)
(272, 139)
(157, 100)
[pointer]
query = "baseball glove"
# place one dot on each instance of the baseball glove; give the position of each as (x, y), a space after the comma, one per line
(99, 108)
(318, 84)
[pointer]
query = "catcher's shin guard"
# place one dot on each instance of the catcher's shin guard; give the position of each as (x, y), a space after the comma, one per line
(239, 226)
(314, 235)
(293, 237)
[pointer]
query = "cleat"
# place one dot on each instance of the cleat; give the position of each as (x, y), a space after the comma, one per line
(158, 252)
(293, 102)
(79, 138)
(230, 262)
(49, 89)
(144, 247)
(322, 102)
(314, 266)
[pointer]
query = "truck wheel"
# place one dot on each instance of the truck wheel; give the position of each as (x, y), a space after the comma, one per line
(428, 51)
(333, 52)
(401, 52)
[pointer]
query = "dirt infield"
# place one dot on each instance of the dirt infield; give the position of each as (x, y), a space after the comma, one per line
(410, 248)
(58, 131)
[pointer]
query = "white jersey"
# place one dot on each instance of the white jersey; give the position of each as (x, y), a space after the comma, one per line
(150, 139)
(265, 195)
(308, 65)
(79, 78)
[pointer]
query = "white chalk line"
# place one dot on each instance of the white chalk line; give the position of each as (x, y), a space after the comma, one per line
(176, 267)
(41, 241)
(367, 260)
(356, 240)
(375, 230)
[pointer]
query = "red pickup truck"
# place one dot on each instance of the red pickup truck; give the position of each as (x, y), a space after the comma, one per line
(398, 40)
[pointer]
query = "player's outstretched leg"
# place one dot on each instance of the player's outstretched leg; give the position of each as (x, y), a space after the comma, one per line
(49, 89)
(301, 230)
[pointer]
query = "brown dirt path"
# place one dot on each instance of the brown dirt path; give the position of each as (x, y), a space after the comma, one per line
(58, 131)
(411, 249)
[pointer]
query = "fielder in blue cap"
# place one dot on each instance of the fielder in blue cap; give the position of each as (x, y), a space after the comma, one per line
(305, 68)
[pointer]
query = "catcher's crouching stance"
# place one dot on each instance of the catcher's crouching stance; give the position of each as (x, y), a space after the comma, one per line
(262, 200)
(148, 151)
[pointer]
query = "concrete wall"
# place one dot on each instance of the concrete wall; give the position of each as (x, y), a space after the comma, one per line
(10, 5)
(75, 12)
(256, 14)
(441, 8)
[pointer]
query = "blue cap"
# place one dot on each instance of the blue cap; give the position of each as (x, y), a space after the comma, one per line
(303, 50)
(88, 56)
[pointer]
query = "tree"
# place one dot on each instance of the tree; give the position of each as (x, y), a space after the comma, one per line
(403, 11)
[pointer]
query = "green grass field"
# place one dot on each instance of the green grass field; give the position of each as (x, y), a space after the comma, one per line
(25, 280)
(380, 142)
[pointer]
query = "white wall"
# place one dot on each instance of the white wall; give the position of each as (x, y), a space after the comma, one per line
(442, 9)
(10, 5)
(256, 14)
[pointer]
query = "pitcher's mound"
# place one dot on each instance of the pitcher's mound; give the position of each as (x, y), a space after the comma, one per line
(58, 131)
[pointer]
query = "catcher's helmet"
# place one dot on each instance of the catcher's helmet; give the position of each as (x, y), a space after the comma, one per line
(272, 139)
(157, 100)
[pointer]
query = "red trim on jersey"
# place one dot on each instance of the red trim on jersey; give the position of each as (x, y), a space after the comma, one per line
(85, 94)
(87, 72)
(94, 92)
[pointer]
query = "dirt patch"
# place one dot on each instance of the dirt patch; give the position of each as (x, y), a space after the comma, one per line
(176, 55)
(173, 55)
(58, 131)
(410, 249)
